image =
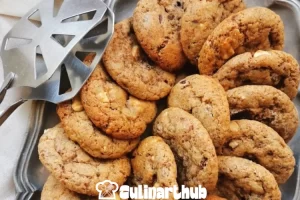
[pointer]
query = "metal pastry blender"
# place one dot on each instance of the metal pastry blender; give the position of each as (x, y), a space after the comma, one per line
(42, 54)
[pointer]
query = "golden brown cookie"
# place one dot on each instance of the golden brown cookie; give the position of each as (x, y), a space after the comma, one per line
(156, 24)
(214, 197)
(206, 99)
(75, 169)
(129, 66)
(248, 30)
(261, 144)
(54, 190)
(274, 68)
(153, 164)
(200, 19)
(193, 149)
(80, 129)
(240, 178)
(267, 105)
(111, 109)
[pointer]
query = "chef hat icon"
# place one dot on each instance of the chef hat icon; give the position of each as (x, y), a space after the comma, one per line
(107, 190)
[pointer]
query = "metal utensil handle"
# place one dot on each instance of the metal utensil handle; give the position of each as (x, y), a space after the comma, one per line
(9, 101)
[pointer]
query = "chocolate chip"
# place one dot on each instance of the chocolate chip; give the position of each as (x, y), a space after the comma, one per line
(203, 162)
(171, 16)
(160, 18)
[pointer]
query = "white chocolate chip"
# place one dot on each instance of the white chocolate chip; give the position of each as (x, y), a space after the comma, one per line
(260, 53)
(103, 97)
(135, 52)
(202, 26)
(234, 127)
(233, 144)
(76, 104)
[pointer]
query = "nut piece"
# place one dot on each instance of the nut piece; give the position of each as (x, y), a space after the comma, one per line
(260, 53)
(76, 104)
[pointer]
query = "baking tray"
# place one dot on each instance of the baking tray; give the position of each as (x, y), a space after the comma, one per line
(30, 174)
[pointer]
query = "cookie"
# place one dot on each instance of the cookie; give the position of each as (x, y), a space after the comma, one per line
(153, 164)
(80, 129)
(129, 66)
(193, 149)
(240, 178)
(112, 110)
(214, 197)
(156, 24)
(205, 98)
(74, 168)
(274, 68)
(200, 19)
(267, 105)
(261, 144)
(252, 29)
(53, 189)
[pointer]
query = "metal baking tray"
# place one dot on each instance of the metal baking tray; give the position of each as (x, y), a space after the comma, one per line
(30, 174)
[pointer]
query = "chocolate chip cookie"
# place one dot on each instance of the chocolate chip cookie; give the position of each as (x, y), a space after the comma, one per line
(80, 129)
(206, 99)
(274, 68)
(267, 105)
(112, 110)
(240, 178)
(261, 144)
(129, 66)
(75, 169)
(200, 19)
(248, 30)
(156, 24)
(153, 164)
(193, 149)
(53, 189)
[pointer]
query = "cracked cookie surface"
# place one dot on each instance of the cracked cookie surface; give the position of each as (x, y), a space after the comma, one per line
(129, 66)
(250, 30)
(205, 98)
(192, 147)
(80, 129)
(240, 178)
(257, 142)
(153, 164)
(53, 189)
(156, 24)
(112, 110)
(74, 168)
(200, 18)
(274, 68)
(267, 105)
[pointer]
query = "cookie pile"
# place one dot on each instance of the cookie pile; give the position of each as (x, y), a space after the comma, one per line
(225, 128)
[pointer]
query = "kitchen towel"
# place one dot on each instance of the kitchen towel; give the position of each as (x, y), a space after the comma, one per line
(13, 131)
